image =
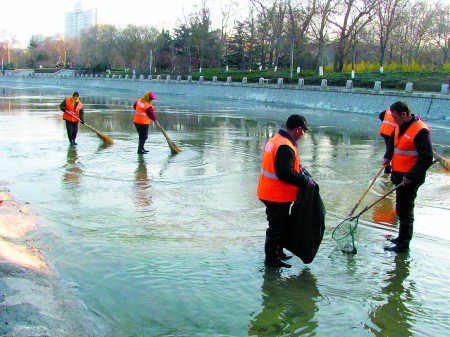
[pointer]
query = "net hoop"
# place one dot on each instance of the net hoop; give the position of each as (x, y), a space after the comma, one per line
(340, 233)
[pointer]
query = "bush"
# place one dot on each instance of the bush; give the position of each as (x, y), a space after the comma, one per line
(392, 78)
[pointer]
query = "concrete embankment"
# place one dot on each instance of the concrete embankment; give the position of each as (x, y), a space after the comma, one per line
(433, 106)
(33, 300)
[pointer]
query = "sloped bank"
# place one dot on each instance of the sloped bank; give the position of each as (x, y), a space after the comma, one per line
(33, 300)
(434, 106)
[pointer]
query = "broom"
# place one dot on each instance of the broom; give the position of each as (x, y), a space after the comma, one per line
(175, 149)
(445, 162)
(102, 136)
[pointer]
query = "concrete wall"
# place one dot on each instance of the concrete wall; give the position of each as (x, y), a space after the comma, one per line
(434, 106)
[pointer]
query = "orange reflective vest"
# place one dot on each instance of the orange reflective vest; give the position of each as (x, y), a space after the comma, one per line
(388, 124)
(74, 116)
(405, 153)
(140, 115)
(270, 188)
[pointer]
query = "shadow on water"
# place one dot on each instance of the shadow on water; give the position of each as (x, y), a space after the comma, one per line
(289, 305)
(390, 314)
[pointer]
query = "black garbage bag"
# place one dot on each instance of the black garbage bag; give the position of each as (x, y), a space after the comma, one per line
(306, 225)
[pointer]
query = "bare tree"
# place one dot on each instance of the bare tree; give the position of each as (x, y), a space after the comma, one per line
(441, 29)
(133, 44)
(8, 41)
(263, 30)
(200, 24)
(226, 12)
(387, 15)
(357, 14)
(300, 17)
(319, 27)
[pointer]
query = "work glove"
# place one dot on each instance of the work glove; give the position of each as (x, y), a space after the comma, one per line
(386, 161)
(304, 171)
(81, 121)
(311, 182)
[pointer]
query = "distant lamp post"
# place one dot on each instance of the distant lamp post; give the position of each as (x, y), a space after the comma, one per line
(292, 57)
(151, 59)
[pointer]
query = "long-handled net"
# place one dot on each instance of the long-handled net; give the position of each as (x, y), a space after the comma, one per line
(344, 234)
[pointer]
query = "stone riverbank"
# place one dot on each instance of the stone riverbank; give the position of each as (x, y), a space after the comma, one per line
(33, 300)
(432, 106)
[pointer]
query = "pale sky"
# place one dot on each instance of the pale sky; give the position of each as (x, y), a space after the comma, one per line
(24, 18)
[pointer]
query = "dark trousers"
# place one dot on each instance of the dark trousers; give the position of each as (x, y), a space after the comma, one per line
(405, 201)
(278, 218)
(404, 206)
(388, 167)
(72, 131)
(142, 130)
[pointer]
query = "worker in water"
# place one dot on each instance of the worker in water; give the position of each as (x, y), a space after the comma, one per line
(387, 127)
(73, 113)
(143, 116)
(411, 152)
(279, 180)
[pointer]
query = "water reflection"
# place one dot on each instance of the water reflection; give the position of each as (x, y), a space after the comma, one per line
(384, 212)
(73, 170)
(289, 305)
(142, 185)
(393, 316)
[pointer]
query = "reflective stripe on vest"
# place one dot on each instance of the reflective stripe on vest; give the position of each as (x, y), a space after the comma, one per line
(269, 175)
(75, 112)
(140, 115)
(388, 124)
(270, 187)
(408, 153)
(405, 153)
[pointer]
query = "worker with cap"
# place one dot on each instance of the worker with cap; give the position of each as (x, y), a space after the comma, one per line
(280, 178)
(143, 116)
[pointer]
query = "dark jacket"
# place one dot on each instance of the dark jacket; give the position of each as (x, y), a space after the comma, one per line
(424, 148)
(284, 164)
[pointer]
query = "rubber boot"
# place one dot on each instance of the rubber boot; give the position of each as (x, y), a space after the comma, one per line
(393, 240)
(282, 255)
(405, 234)
(141, 147)
(272, 259)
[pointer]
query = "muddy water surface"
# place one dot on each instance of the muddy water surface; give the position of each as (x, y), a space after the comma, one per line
(160, 245)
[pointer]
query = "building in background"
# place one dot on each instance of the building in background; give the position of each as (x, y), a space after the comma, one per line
(78, 21)
(40, 38)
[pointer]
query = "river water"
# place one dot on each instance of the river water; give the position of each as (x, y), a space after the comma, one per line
(172, 245)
